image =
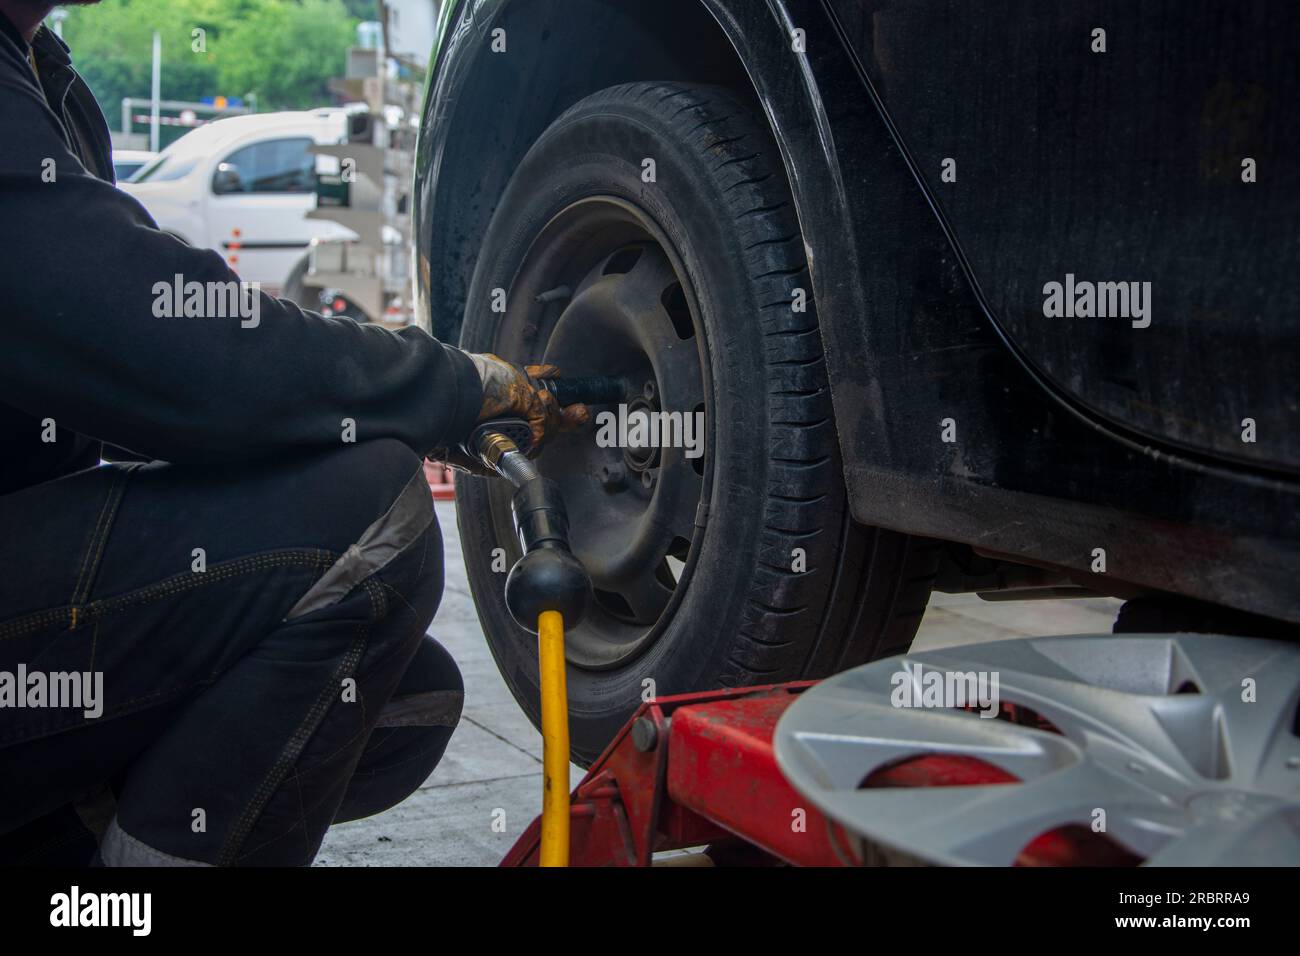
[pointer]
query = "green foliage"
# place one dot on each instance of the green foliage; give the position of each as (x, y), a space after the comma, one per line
(285, 51)
(363, 9)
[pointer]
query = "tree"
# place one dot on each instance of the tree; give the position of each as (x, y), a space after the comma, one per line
(113, 49)
(284, 50)
(362, 9)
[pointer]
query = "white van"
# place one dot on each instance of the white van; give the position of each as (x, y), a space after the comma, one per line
(128, 162)
(243, 186)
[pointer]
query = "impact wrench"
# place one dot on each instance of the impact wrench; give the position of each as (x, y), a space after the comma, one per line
(547, 589)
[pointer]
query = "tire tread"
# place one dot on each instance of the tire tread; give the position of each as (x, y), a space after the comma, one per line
(809, 624)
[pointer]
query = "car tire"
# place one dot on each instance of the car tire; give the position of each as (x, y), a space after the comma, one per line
(778, 583)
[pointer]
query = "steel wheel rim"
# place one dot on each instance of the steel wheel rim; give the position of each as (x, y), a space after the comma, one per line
(616, 264)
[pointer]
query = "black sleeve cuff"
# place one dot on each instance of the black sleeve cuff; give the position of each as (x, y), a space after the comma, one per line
(468, 396)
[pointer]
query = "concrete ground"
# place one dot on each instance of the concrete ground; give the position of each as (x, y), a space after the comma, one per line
(487, 789)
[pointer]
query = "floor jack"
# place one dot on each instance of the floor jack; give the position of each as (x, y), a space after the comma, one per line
(694, 770)
(1106, 750)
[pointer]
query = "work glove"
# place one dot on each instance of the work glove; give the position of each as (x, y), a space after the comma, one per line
(512, 392)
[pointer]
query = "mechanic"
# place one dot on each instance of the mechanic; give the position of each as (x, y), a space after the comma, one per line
(255, 597)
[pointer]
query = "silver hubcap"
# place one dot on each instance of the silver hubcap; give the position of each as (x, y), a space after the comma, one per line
(1157, 731)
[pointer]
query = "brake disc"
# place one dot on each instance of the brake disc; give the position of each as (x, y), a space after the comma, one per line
(1182, 749)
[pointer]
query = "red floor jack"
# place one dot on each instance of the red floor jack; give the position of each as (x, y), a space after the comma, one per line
(689, 771)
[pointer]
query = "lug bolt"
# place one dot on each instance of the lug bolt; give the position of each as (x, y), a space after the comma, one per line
(647, 480)
(558, 294)
(612, 476)
(649, 390)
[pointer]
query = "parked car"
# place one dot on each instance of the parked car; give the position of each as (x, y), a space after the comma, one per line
(243, 186)
(979, 300)
(128, 162)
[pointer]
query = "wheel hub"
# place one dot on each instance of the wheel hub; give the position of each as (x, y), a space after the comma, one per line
(642, 458)
(632, 507)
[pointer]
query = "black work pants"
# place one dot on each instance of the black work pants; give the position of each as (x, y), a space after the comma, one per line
(258, 635)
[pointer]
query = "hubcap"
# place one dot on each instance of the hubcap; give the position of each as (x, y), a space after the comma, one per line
(1182, 747)
(615, 301)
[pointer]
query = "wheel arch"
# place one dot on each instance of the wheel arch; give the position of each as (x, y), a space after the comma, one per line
(483, 110)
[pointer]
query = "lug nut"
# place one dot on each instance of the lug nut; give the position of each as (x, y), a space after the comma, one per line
(648, 390)
(612, 476)
(559, 293)
(647, 479)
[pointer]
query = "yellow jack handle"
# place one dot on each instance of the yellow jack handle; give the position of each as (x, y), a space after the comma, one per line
(555, 740)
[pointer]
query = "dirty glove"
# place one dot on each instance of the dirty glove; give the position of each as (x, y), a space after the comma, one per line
(512, 392)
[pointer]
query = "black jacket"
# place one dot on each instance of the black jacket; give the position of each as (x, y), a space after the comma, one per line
(80, 343)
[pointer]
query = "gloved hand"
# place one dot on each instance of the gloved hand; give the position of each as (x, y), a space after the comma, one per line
(512, 392)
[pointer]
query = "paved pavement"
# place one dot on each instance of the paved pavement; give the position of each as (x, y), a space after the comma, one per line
(487, 788)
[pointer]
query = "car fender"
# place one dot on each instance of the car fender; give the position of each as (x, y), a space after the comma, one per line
(789, 98)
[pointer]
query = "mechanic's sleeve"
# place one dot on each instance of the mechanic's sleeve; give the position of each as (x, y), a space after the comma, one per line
(86, 285)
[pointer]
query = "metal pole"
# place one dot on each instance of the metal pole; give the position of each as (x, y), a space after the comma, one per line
(157, 92)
